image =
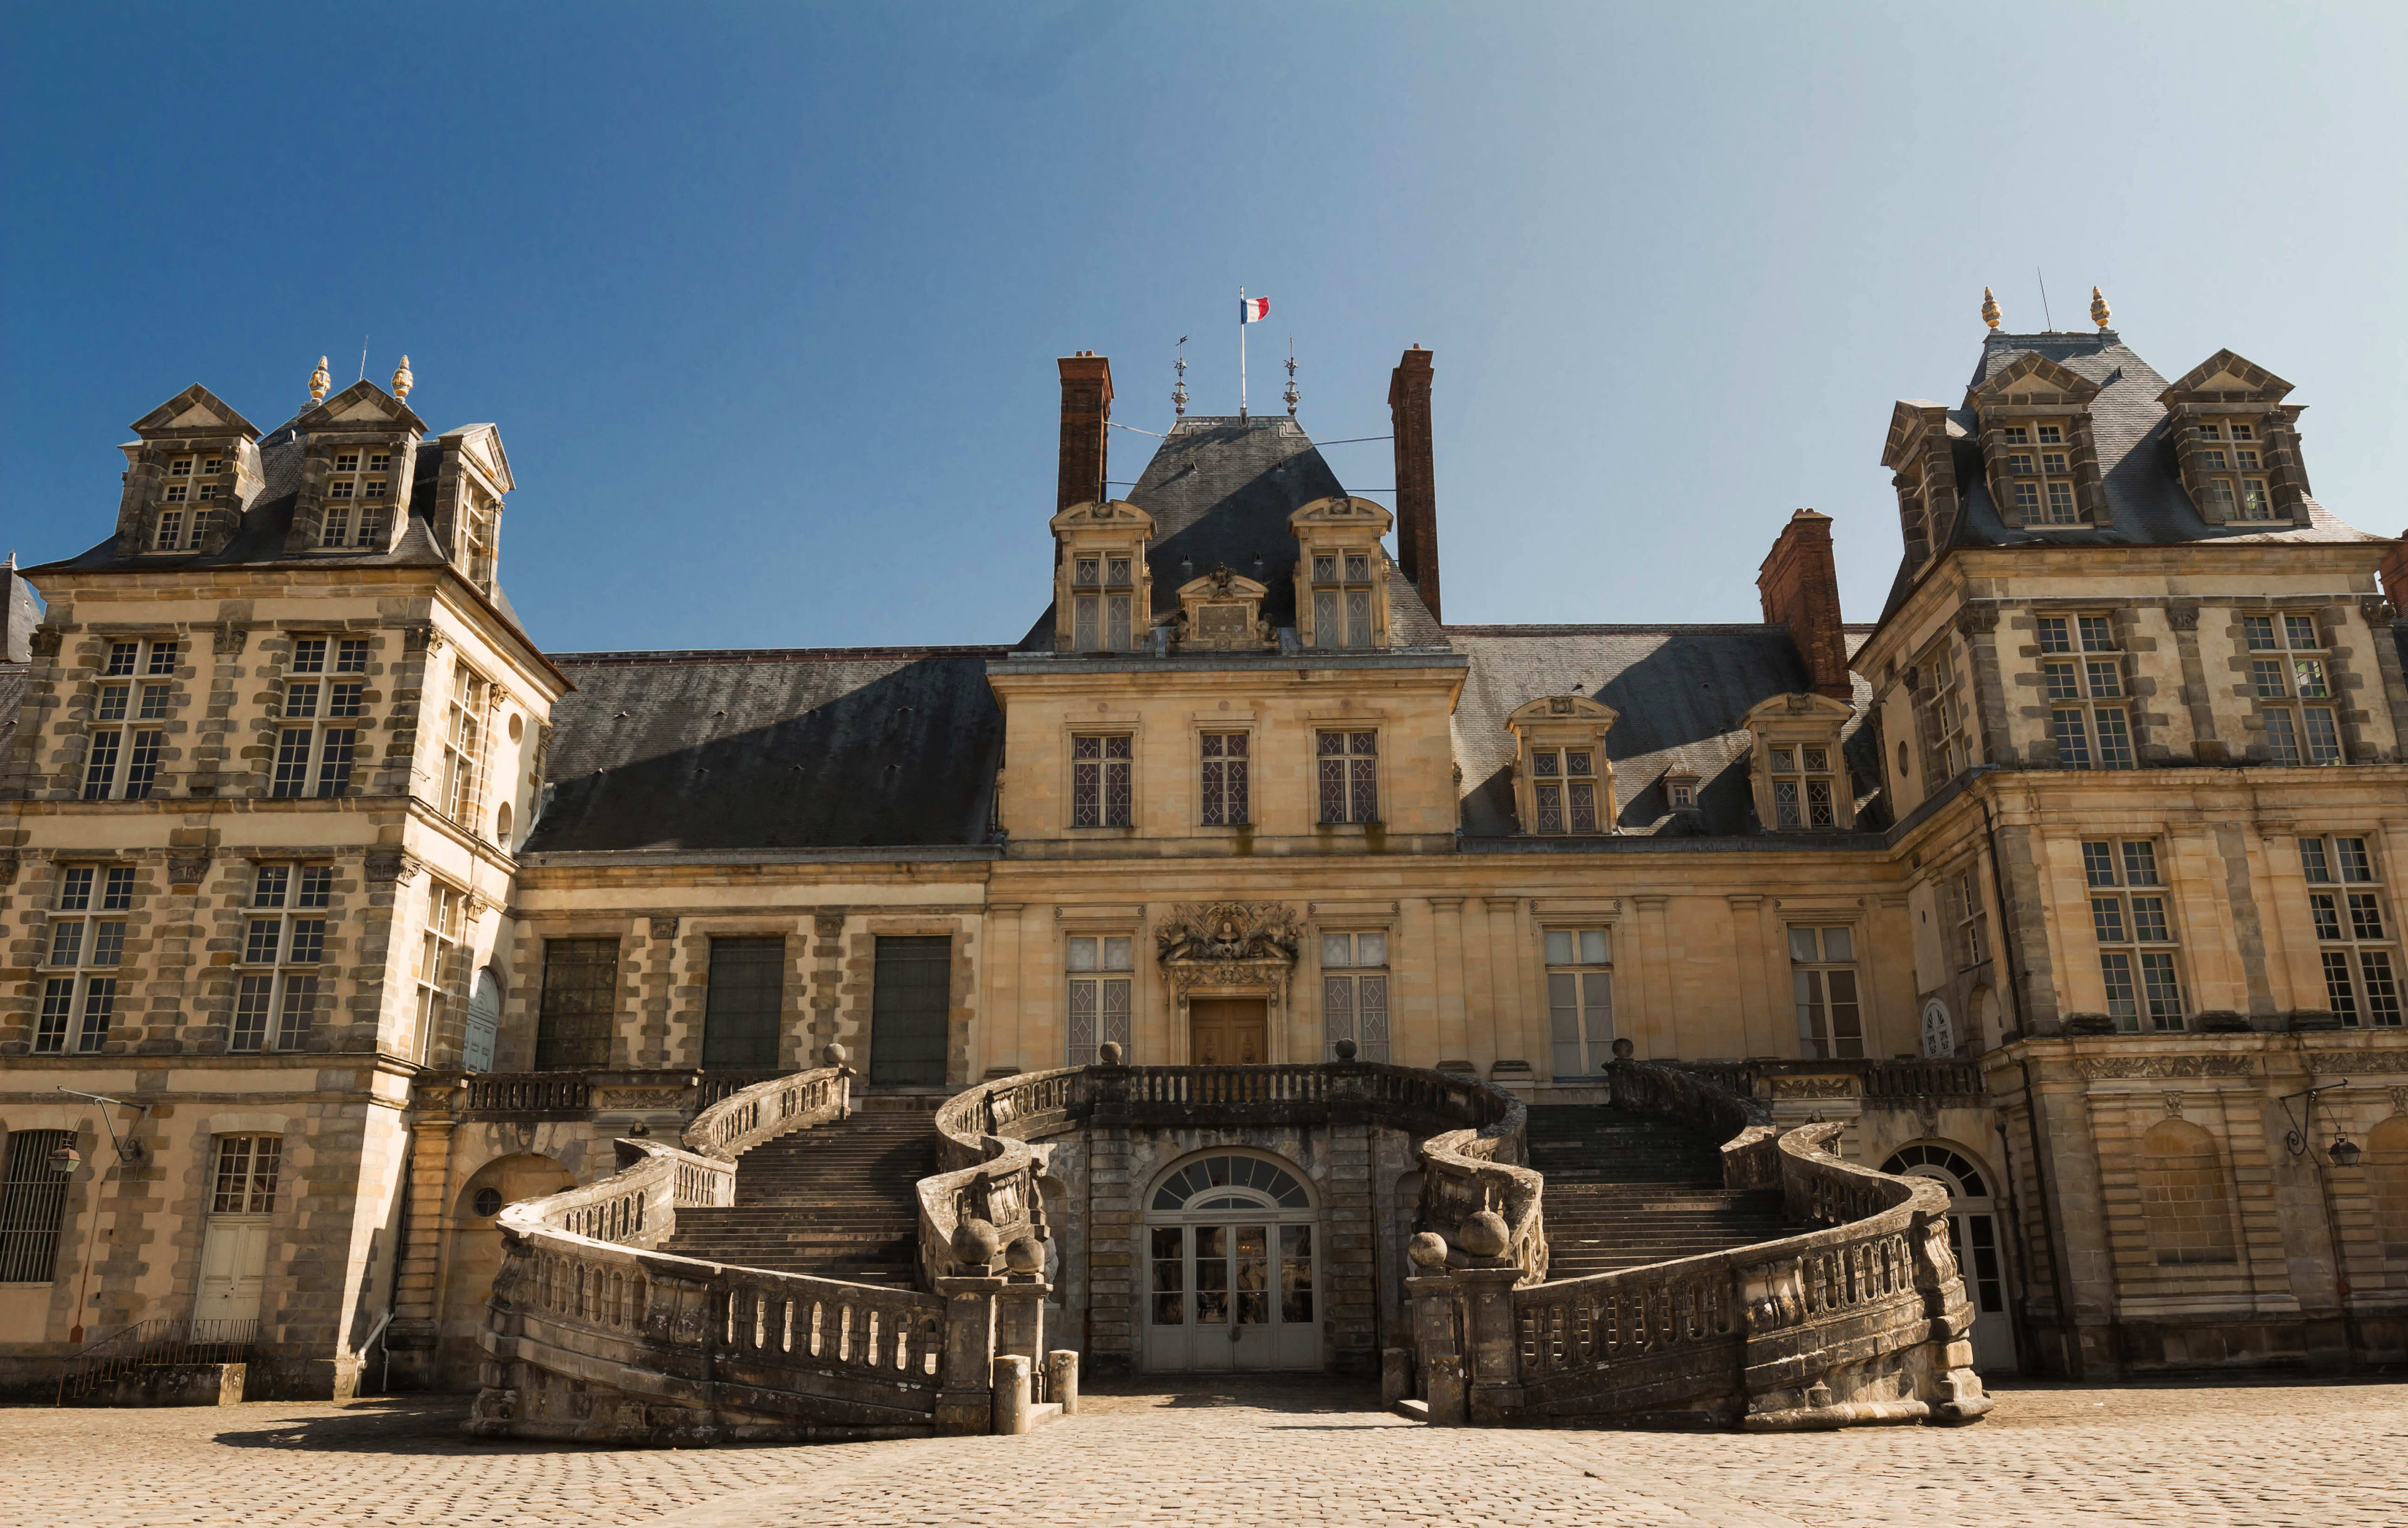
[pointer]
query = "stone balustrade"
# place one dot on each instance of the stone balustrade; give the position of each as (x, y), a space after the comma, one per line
(746, 1118)
(1895, 1083)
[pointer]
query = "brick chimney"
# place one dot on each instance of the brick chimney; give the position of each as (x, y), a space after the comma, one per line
(1087, 406)
(1799, 584)
(2394, 573)
(1409, 416)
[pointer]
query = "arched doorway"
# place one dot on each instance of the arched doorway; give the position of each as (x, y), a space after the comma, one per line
(477, 1251)
(1973, 1231)
(1233, 1274)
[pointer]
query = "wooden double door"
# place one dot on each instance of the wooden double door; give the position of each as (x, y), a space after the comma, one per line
(1228, 1031)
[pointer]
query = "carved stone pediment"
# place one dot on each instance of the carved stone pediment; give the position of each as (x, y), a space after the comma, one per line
(1222, 611)
(1228, 933)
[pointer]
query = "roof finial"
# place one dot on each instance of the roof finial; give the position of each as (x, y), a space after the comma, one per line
(1290, 394)
(402, 381)
(2098, 314)
(1178, 389)
(320, 382)
(1989, 309)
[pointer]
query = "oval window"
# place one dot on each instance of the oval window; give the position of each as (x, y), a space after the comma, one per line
(1901, 761)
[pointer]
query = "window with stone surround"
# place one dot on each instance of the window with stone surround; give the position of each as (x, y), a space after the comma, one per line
(1823, 982)
(2355, 940)
(33, 1206)
(2290, 676)
(1103, 593)
(2037, 461)
(277, 990)
(1223, 769)
(1100, 788)
(1942, 716)
(1564, 789)
(1969, 920)
(578, 1010)
(442, 972)
(1097, 999)
(359, 501)
(2185, 1195)
(318, 738)
(1580, 1000)
(84, 949)
(1805, 789)
(744, 1002)
(1347, 770)
(2138, 942)
(2081, 671)
(194, 483)
(463, 744)
(1354, 994)
(129, 706)
(2230, 462)
(247, 1173)
(1343, 589)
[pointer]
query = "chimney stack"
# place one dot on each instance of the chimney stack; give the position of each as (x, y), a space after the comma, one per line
(2394, 575)
(1409, 417)
(1087, 410)
(1799, 584)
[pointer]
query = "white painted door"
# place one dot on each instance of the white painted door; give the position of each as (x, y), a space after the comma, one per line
(1235, 1295)
(485, 1022)
(234, 1268)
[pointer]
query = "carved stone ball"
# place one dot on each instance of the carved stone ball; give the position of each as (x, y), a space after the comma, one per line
(834, 1055)
(1483, 1234)
(1025, 1256)
(1109, 1053)
(1427, 1250)
(975, 1243)
(1624, 1049)
(1345, 1049)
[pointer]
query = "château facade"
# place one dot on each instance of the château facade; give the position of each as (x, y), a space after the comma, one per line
(352, 916)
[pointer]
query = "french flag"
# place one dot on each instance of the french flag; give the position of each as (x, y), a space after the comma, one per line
(1253, 309)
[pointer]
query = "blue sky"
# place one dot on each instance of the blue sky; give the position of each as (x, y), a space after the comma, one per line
(766, 300)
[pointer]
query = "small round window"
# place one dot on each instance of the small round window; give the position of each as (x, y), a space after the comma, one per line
(489, 1203)
(1231, 1184)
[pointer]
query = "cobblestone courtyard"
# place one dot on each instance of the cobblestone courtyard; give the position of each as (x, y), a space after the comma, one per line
(1262, 1452)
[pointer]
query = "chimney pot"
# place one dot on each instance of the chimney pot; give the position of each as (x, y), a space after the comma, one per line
(1416, 481)
(1086, 418)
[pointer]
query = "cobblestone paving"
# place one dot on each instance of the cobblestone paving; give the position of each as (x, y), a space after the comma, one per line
(2260, 1455)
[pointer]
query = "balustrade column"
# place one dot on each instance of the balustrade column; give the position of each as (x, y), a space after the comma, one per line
(1491, 1353)
(1437, 1355)
(1019, 1317)
(965, 1374)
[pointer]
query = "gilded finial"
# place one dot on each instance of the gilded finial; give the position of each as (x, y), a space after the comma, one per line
(1989, 309)
(402, 381)
(2098, 308)
(320, 382)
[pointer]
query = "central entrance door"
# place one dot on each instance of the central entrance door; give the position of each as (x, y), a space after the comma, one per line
(1232, 1268)
(1227, 1032)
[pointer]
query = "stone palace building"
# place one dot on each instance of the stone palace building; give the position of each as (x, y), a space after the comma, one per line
(1164, 944)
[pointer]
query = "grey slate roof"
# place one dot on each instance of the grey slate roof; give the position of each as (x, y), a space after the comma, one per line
(1681, 692)
(811, 749)
(2145, 499)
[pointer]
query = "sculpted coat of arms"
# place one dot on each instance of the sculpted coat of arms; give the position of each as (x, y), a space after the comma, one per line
(1228, 931)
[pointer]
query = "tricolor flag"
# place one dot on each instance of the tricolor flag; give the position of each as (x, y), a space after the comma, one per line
(1250, 310)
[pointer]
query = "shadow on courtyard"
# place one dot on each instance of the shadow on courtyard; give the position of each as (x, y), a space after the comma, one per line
(1300, 1394)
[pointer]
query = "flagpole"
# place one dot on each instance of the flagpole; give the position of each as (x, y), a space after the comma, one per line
(1242, 352)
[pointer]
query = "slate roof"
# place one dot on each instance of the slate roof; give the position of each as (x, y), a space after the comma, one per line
(2146, 502)
(772, 749)
(1681, 692)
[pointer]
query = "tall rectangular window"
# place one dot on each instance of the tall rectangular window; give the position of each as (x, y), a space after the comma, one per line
(324, 700)
(911, 993)
(83, 951)
(2290, 676)
(33, 1206)
(2136, 933)
(1805, 789)
(123, 750)
(442, 971)
(1355, 993)
(277, 987)
(1564, 789)
(1343, 597)
(2231, 457)
(742, 1006)
(2083, 673)
(1823, 977)
(2355, 938)
(1347, 765)
(194, 483)
(463, 745)
(247, 1169)
(1580, 999)
(2038, 471)
(1968, 919)
(1099, 780)
(1103, 601)
(579, 1003)
(1942, 717)
(1098, 1001)
(1224, 784)
(359, 501)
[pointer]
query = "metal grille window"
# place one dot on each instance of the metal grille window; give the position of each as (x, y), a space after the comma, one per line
(1355, 993)
(1563, 789)
(2137, 940)
(743, 1003)
(1969, 920)
(1348, 765)
(321, 736)
(1099, 966)
(359, 495)
(1804, 790)
(580, 990)
(1580, 999)
(86, 946)
(1823, 979)
(33, 1206)
(1099, 780)
(2231, 459)
(442, 970)
(1103, 597)
(284, 942)
(2039, 472)
(1343, 597)
(2083, 674)
(2290, 676)
(248, 1167)
(121, 756)
(2354, 937)
(1225, 758)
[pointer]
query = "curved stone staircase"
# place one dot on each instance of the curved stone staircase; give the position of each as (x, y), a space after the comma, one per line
(1626, 1189)
(837, 1200)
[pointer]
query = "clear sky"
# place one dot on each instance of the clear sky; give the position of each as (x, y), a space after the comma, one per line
(766, 299)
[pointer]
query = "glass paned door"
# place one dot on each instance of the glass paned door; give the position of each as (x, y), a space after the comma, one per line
(1237, 1295)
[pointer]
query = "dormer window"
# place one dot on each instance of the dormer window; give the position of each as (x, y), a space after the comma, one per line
(1681, 792)
(1341, 574)
(1801, 780)
(2040, 474)
(1100, 591)
(2231, 463)
(1803, 790)
(1564, 784)
(1563, 787)
(1341, 598)
(1102, 603)
(358, 501)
